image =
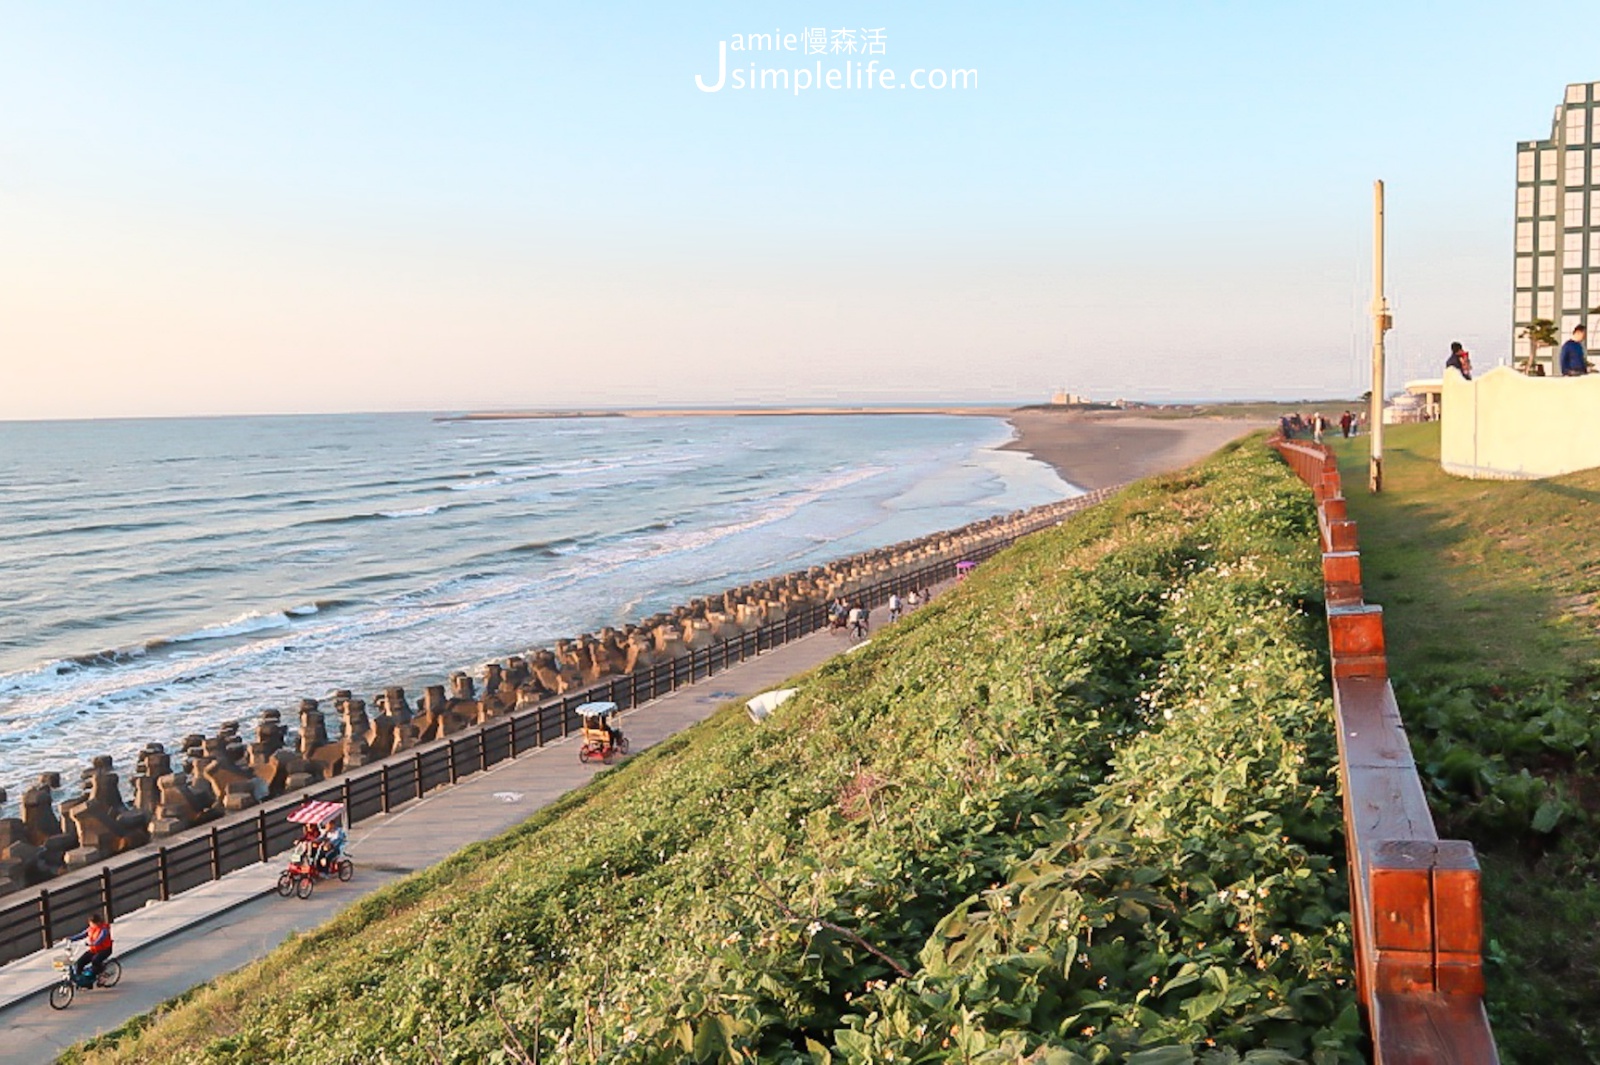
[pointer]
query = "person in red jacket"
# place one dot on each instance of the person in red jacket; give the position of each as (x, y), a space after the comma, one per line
(98, 945)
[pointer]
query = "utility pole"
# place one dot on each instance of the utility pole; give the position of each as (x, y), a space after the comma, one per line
(1382, 322)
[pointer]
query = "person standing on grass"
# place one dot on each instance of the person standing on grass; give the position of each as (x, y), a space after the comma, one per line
(1574, 360)
(1346, 420)
(1459, 359)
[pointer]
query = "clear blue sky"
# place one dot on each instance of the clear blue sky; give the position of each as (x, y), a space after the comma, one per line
(214, 208)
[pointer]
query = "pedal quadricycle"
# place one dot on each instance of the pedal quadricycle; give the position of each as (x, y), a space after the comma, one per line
(603, 741)
(320, 853)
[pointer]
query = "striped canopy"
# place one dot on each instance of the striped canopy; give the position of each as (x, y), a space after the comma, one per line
(314, 813)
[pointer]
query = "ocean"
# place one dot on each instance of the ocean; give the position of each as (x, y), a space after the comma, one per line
(158, 577)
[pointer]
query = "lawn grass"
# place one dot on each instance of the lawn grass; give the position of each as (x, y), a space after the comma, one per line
(1489, 590)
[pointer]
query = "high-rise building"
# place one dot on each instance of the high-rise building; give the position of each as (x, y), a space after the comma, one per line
(1558, 221)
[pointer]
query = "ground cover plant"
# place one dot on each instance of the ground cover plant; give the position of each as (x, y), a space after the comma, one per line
(1489, 590)
(1082, 809)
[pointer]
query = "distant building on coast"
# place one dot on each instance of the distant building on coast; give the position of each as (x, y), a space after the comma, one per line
(1062, 398)
(1558, 221)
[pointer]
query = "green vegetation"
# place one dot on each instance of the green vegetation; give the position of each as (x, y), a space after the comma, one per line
(1266, 411)
(1080, 810)
(1489, 591)
(1539, 333)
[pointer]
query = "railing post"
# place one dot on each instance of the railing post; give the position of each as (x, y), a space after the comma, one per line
(344, 797)
(483, 750)
(162, 885)
(105, 891)
(450, 760)
(416, 760)
(44, 918)
(261, 832)
(216, 856)
(383, 784)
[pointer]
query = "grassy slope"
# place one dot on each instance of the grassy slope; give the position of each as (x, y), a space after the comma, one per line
(1081, 809)
(1489, 591)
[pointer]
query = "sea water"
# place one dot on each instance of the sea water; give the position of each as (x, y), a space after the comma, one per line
(158, 577)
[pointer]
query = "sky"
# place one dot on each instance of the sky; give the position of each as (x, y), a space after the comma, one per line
(296, 207)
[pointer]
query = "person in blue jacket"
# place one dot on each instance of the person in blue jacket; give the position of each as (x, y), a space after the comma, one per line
(1574, 361)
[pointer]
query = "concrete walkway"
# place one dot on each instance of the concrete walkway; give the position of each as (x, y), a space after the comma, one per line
(239, 918)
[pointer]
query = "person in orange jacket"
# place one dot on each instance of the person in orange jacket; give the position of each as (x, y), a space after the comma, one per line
(98, 945)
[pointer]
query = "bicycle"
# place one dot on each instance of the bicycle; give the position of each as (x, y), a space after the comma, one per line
(78, 978)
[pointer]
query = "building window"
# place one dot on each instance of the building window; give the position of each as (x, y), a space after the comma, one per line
(1547, 163)
(1571, 291)
(1568, 324)
(1524, 271)
(1547, 235)
(1594, 249)
(1524, 306)
(1521, 348)
(1572, 251)
(1594, 165)
(1577, 125)
(1525, 202)
(1525, 166)
(1577, 94)
(1524, 236)
(1545, 201)
(1573, 213)
(1547, 271)
(1547, 304)
(1574, 179)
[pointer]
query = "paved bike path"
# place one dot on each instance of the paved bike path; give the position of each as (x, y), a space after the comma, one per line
(170, 947)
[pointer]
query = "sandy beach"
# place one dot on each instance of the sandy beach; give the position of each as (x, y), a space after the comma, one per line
(1094, 449)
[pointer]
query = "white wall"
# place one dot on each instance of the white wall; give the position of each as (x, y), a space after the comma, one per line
(1507, 425)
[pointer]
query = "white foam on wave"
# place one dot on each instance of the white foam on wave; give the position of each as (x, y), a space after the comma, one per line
(411, 512)
(243, 625)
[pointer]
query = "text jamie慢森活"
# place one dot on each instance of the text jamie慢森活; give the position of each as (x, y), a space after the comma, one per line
(851, 65)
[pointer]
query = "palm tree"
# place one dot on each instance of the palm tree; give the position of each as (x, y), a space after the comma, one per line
(1539, 333)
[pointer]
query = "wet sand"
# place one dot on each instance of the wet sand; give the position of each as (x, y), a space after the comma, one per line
(1095, 449)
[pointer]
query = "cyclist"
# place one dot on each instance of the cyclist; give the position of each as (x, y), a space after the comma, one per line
(331, 845)
(97, 948)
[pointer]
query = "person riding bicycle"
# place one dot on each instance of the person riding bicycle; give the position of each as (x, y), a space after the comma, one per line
(97, 948)
(330, 845)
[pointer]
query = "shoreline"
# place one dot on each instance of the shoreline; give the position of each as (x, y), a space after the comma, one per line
(1088, 447)
(1098, 449)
